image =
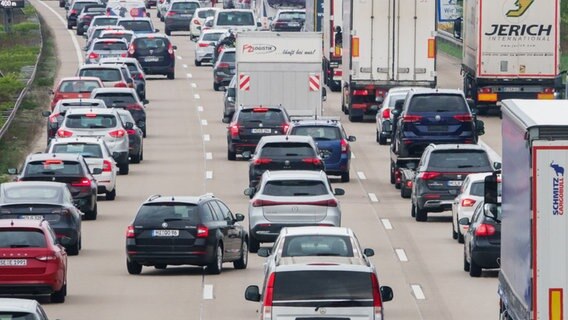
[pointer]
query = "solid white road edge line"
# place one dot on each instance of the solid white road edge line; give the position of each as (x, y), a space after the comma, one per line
(203, 122)
(361, 175)
(207, 292)
(387, 224)
(209, 175)
(206, 137)
(352, 155)
(373, 197)
(208, 156)
(418, 293)
(401, 255)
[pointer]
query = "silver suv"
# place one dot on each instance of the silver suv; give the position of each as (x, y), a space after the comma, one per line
(291, 198)
(105, 123)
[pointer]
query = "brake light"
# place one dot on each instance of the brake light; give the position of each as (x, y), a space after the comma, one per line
(130, 232)
(467, 202)
(429, 175)
(50, 257)
(61, 211)
(485, 90)
(234, 130)
(262, 161)
(203, 44)
(548, 90)
(117, 133)
(91, 115)
(73, 11)
(196, 21)
(377, 302)
(93, 55)
(64, 133)
(484, 230)
(171, 49)
(360, 92)
(202, 231)
(124, 55)
(409, 184)
(344, 146)
(269, 203)
(121, 85)
(134, 106)
(463, 117)
(268, 297)
(171, 13)
(285, 128)
(255, 109)
(131, 49)
(130, 131)
(411, 118)
(141, 76)
(84, 182)
(223, 65)
(315, 161)
(53, 118)
(107, 166)
(386, 113)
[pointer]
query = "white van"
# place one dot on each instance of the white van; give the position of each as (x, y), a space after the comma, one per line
(237, 20)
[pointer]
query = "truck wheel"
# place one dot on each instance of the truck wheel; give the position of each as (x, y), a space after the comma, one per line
(421, 214)
(413, 211)
(345, 177)
(474, 269)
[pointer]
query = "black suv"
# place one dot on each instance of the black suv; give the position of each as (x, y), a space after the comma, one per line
(86, 15)
(76, 8)
(252, 123)
(283, 153)
(181, 230)
(434, 116)
(67, 168)
(440, 174)
(155, 53)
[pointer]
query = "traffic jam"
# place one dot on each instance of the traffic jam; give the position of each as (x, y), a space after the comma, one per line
(298, 157)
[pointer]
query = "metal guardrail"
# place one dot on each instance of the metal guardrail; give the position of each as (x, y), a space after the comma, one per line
(25, 90)
(449, 37)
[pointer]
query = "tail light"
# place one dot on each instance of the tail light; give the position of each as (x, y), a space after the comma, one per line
(117, 133)
(202, 231)
(485, 90)
(360, 92)
(223, 65)
(484, 230)
(50, 257)
(171, 49)
(73, 11)
(64, 133)
(161, 1)
(268, 297)
(386, 113)
(285, 127)
(134, 106)
(63, 212)
(53, 118)
(93, 55)
(107, 166)
(463, 117)
(171, 13)
(411, 118)
(428, 175)
(121, 85)
(548, 90)
(124, 55)
(131, 49)
(196, 21)
(234, 130)
(203, 44)
(262, 161)
(344, 146)
(409, 184)
(377, 301)
(130, 232)
(131, 132)
(57, 97)
(255, 109)
(467, 202)
(141, 76)
(269, 203)
(84, 182)
(316, 161)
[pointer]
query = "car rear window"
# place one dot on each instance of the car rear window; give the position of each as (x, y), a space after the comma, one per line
(76, 86)
(53, 167)
(287, 188)
(292, 16)
(163, 212)
(186, 7)
(235, 18)
(126, 117)
(157, 44)
(212, 36)
(14, 238)
(459, 160)
(24, 193)
(228, 56)
(80, 105)
(317, 245)
(105, 21)
(206, 13)
(264, 116)
(125, 36)
(10, 315)
(322, 285)
(116, 98)
(101, 73)
(94, 9)
(87, 150)
(90, 121)
(143, 26)
(318, 132)
(438, 103)
(80, 5)
(287, 149)
(477, 189)
(110, 45)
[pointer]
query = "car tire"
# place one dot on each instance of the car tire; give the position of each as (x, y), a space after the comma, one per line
(69, 27)
(168, 32)
(474, 269)
(124, 168)
(231, 156)
(135, 158)
(59, 296)
(142, 154)
(110, 196)
(73, 250)
(421, 214)
(161, 266)
(466, 265)
(242, 262)
(158, 13)
(197, 63)
(171, 76)
(460, 237)
(382, 139)
(454, 233)
(216, 266)
(144, 132)
(216, 87)
(392, 177)
(345, 177)
(377, 134)
(397, 185)
(413, 211)
(254, 245)
(405, 192)
(161, 18)
(133, 267)
(92, 215)
(80, 31)
(61, 4)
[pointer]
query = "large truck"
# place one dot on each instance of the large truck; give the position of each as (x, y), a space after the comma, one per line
(280, 69)
(386, 44)
(332, 43)
(510, 51)
(533, 280)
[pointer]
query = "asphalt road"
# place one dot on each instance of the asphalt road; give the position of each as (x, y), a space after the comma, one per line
(185, 153)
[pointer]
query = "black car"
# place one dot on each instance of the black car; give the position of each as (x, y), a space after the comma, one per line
(250, 124)
(52, 201)
(67, 168)
(74, 10)
(288, 20)
(284, 153)
(229, 99)
(184, 230)
(155, 53)
(440, 174)
(482, 241)
(86, 15)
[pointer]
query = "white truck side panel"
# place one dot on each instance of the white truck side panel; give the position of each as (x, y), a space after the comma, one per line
(511, 38)
(292, 47)
(550, 236)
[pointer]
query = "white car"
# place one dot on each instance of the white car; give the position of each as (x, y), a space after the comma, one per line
(238, 20)
(205, 46)
(96, 155)
(198, 20)
(471, 193)
(21, 309)
(384, 118)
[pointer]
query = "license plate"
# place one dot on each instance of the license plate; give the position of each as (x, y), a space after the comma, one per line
(33, 217)
(13, 262)
(151, 59)
(437, 128)
(455, 183)
(512, 89)
(261, 130)
(187, 15)
(294, 24)
(165, 233)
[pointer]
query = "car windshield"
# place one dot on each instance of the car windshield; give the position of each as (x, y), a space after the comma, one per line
(153, 213)
(14, 238)
(110, 45)
(266, 117)
(26, 193)
(286, 150)
(137, 26)
(213, 36)
(186, 7)
(202, 14)
(317, 245)
(235, 18)
(87, 150)
(113, 99)
(109, 75)
(477, 189)
(292, 16)
(10, 315)
(459, 161)
(290, 188)
(53, 167)
(77, 86)
(438, 103)
(322, 285)
(318, 132)
(104, 21)
(90, 121)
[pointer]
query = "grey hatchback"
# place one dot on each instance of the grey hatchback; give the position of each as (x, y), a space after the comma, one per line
(179, 15)
(224, 69)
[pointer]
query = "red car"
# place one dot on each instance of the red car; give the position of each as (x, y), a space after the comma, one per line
(75, 88)
(31, 260)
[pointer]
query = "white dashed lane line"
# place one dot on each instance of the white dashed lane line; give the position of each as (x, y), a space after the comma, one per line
(200, 108)
(179, 57)
(203, 122)
(361, 175)
(401, 255)
(185, 66)
(208, 156)
(189, 75)
(387, 224)
(207, 292)
(352, 155)
(208, 175)
(194, 85)
(373, 197)
(206, 137)
(196, 96)
(418, 293)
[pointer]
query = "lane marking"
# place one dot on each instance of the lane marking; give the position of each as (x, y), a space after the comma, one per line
(361, 175)
(352, 155)
(208, 156)
(185, 66)
(401, 255)
(373, 197)
(387, 224)
(179, 57)
(208, 292)
(196, 96)
(418, 293)
(203, 122)
(209, 175)
(206, 137)
(194, 85)
(200, 108)
(189, 76)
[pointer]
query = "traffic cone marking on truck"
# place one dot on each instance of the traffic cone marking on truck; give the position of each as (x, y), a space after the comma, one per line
(244, 82)
(314, 82)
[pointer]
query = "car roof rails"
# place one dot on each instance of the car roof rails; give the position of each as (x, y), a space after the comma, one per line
(207, 195)
(153, 197)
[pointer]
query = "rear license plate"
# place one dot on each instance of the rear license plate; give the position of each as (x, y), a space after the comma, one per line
(165, 233)
(437, 128)
(455, 183)
(13, 262)
(32, 217)
(152, 59)
(512, 89)
(261, 130)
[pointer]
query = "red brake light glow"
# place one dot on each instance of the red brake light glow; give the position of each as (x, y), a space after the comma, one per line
(377, 301)
(202, 231)
(64, 133)
(131, 49)
(84, 182)
(484, 230)
(344, 146)
(171, 13)
(411, 118)
(315, 161)
(130, 232)
(121, 85)
(117, 133)
(463, 117)
(234, 130)
(107, 166)
(285, 128)
(360, 92)
(467, 202)
(255, 109)
(386, 113)
(262, 161)
(93, 55)
(428, 175)
(203, 44)
(171, 49)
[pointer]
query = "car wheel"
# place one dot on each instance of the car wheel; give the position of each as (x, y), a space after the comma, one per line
(171, 76)
(405, 192)
(59, 296)
(454, 233)
(61, 4)
(135, 158)
(460, 237)
(378, 139)
(474, 269)
(397, 185)
(197, 63)
(144, 131)
(413, 211)
(215, 86)
(133, 267)
(168, 32)
(124, 168)
(142, 154)
(158, 14)
(421, 214)
(73, 250)
(92, 215)
(70, 27)
(161, 266)
(382, 139)
(80, 30)
(243, 260)
(231, 155)
(109, 196)
(161, 18)
(254, 245)
(392, 177)
(216, 266)
(466, 265)
(345, 177)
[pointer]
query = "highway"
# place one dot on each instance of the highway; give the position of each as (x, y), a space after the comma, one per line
(185, 153)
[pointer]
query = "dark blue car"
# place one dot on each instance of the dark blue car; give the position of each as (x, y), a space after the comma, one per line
(332, 142)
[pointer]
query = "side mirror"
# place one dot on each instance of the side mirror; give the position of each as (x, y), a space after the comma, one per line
(497, 165)
(12, 171)
(145, 101)
(226, 120)
(480, 127)
(250, 191)
(239, 217)
(128, 125)
(252, 293)
(263, 252)
(463, 221)
(247, 155)
(386, 293)
(45, 113)
(97, 171)
(368, 252)
(338, 192)
(175, 47)
(351, 138)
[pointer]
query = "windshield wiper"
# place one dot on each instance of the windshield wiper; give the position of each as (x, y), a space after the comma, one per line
(466, 166)
(173, 219)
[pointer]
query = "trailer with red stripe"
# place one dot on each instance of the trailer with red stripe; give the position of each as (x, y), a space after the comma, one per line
(280, 69)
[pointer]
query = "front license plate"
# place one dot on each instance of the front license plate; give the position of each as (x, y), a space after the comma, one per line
(151, 59)
(455, 183)
(261, 130)
(32, 217)
(165, 233)
(13, 262)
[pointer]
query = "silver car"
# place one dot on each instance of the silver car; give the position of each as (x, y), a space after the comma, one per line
(101, 21)
(106, 48)
(96, 32)
(291, 198)
(105, 123)
(385, 117)
(205, 46)
(21, 309)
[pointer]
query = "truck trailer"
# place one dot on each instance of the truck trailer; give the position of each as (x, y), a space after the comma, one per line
(386, 44)
(534, 239)
(511, 50)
